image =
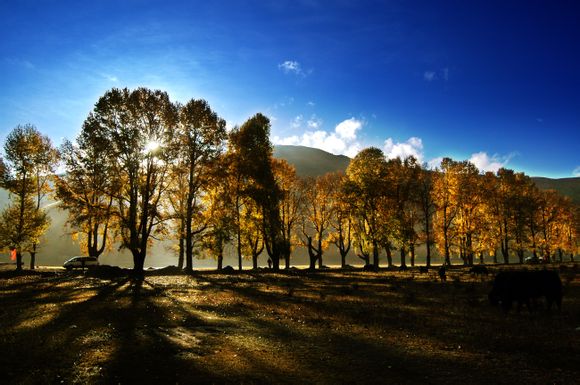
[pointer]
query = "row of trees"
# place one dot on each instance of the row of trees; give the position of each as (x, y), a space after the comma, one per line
(144, 168)
(456, 208)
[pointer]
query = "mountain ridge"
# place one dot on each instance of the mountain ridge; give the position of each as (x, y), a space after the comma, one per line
(312, 162)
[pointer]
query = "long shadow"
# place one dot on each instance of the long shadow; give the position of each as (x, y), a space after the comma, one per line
(478, 339)
(113, 336)
(126, 331)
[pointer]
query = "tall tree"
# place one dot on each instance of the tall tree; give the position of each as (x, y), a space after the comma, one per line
(217, 213)
(341, 221)
(549, 206)
(251, 148)
(139, 126)
(198, 141)
(319, 209)
(444, 184)
(291, 203)
(366, 186)
(427, 207)
(30, 163)
(402, 194)
(467, 200)
(252, 237)
(85, 189)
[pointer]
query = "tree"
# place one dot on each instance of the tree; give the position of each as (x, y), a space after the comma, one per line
(26, 232)
(139, 126)
(445, 210)
(341, 221)
(549, 203)
(197, 142)
(403, 203)
(85, 189)
(366, 186)
(217, 213)
(30, 163)
(252, 152)
(427, 207)
(252, 238)
(467, 200)
(291, 202)
(319, 209)
(490, 236)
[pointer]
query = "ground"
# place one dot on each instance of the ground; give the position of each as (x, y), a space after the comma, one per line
(294, 327)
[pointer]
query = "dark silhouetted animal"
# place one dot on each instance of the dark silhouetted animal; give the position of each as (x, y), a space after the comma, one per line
(479, 269)
(442, 273)
(525, 287)
(423, 269)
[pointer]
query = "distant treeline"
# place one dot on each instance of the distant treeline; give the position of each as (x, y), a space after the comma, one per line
(144, 168)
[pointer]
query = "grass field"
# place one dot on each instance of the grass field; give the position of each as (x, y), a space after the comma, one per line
(295, 327)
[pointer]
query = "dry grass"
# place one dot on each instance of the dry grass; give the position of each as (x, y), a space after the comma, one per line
(329, 327)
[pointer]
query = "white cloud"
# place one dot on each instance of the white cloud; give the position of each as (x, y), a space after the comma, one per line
(481, 160)
(291, 66)
(413, 146)
(297, 122)
(291, 140)
(484, 162)
(576, 172)
(314, 122)
(434, 163)
(347, 128)
(429, 76)
(342, 140)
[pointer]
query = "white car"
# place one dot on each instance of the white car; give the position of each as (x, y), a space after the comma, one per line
(81, 262)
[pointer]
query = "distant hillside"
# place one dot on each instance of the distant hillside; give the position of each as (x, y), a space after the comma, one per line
(565, 186)
(311, 161)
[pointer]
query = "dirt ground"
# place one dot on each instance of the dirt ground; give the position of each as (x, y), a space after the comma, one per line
(295, 327)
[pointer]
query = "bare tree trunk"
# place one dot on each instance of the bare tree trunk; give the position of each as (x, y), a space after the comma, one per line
(403, 256)
(389, 255)
(181, 253)
(375, 255)
(19, 261)
(33, 257)
(138, 263)
(342, 259)
(287, 260)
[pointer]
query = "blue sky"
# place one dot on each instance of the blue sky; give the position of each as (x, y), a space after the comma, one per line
(497, 82)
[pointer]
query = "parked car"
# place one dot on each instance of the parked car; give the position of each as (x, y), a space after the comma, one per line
(81, 262)
(532, 260)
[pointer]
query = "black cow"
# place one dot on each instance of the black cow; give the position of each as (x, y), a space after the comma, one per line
(479, 269)
(525, 287)
(423, 269)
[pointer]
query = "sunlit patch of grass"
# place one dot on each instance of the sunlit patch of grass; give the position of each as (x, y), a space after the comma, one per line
(42, 315)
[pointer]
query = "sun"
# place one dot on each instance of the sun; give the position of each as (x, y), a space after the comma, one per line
(151, 146)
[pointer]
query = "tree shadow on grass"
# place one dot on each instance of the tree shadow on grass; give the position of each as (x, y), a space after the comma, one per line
(219, 329)
(116, 333)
